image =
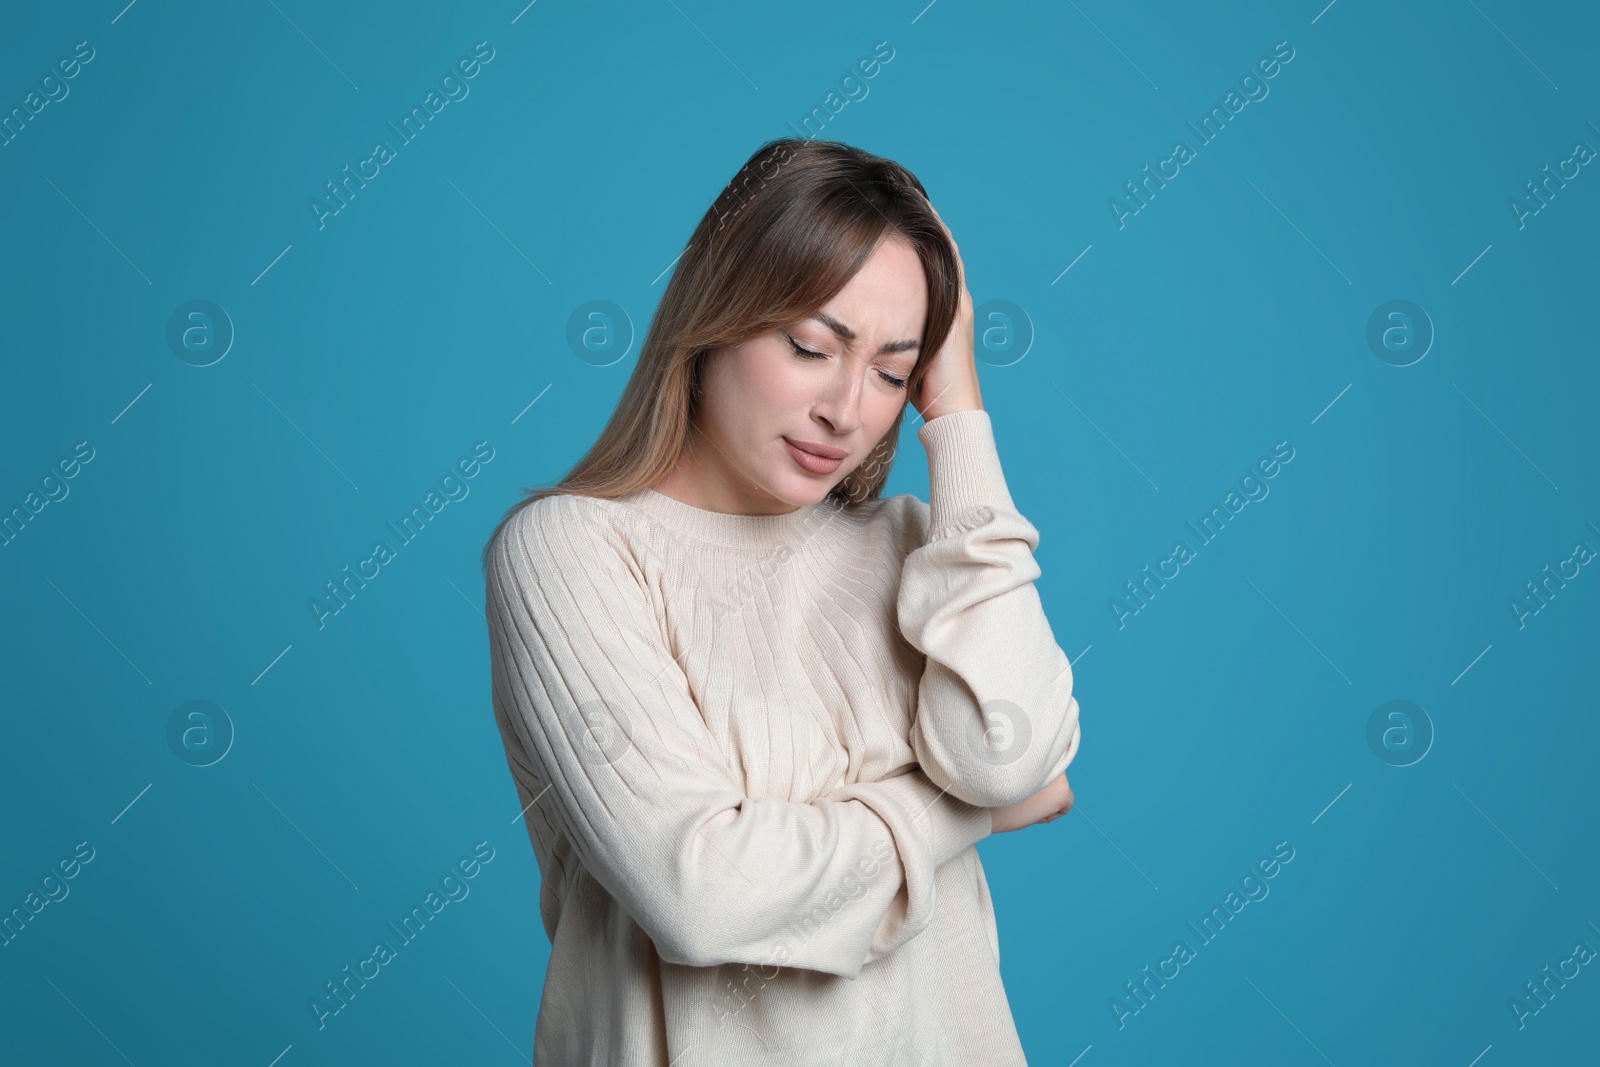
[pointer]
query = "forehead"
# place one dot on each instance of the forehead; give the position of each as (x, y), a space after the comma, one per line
(889, 294)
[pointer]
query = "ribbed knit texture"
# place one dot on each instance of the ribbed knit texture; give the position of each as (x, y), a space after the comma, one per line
(755, 753)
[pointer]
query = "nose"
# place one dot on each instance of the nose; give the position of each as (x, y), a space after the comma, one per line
(840, 403)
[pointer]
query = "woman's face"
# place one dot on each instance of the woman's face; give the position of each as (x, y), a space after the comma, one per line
(765, 402)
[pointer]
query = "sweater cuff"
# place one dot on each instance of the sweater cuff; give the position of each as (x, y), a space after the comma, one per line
(963, 468)
(950, 823)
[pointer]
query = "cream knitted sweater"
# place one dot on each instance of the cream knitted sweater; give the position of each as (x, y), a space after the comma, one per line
(755, 753)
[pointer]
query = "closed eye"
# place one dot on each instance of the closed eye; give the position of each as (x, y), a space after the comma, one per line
(806, 353)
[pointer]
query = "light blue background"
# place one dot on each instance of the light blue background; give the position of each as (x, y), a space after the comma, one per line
(370, 355)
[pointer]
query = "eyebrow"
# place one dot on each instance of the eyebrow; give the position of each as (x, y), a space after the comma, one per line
(848, 334)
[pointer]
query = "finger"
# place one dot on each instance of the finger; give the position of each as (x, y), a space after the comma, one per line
(1066, 803)
(948, 235)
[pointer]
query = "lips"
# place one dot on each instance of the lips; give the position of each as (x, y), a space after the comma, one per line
(825, 451)
(815, 458)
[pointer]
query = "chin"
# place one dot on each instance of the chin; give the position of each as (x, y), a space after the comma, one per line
(803, 494)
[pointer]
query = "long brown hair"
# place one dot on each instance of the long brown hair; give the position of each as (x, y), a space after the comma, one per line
(788, 232)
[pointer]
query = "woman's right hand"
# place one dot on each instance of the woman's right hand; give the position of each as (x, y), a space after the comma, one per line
(1051, 802)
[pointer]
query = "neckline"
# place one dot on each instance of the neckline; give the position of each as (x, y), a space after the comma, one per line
(788, 530)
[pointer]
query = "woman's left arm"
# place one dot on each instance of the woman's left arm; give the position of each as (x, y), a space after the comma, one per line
(996, 719)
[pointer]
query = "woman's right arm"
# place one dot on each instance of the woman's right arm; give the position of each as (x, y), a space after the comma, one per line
(604, 716)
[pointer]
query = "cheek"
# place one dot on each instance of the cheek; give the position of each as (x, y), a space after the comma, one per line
(788, 382)
(777, 385)
(752, 391)
(884, 410)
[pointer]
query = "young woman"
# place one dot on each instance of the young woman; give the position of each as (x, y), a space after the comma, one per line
(758, 714)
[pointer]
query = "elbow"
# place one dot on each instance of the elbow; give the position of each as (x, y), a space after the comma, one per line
(676, 887)
(1008, 765)
(685, 951)
(988, 785)
(998, 787)
(683, 936)
(703, 940)
(703, 927)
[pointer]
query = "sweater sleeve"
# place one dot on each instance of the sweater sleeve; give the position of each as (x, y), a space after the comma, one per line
(996, 719)
(602, 714)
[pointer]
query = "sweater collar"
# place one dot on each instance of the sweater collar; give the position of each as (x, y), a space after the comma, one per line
(789, 530)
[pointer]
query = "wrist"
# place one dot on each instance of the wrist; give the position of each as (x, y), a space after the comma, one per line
(949, 409)
(963, 466)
